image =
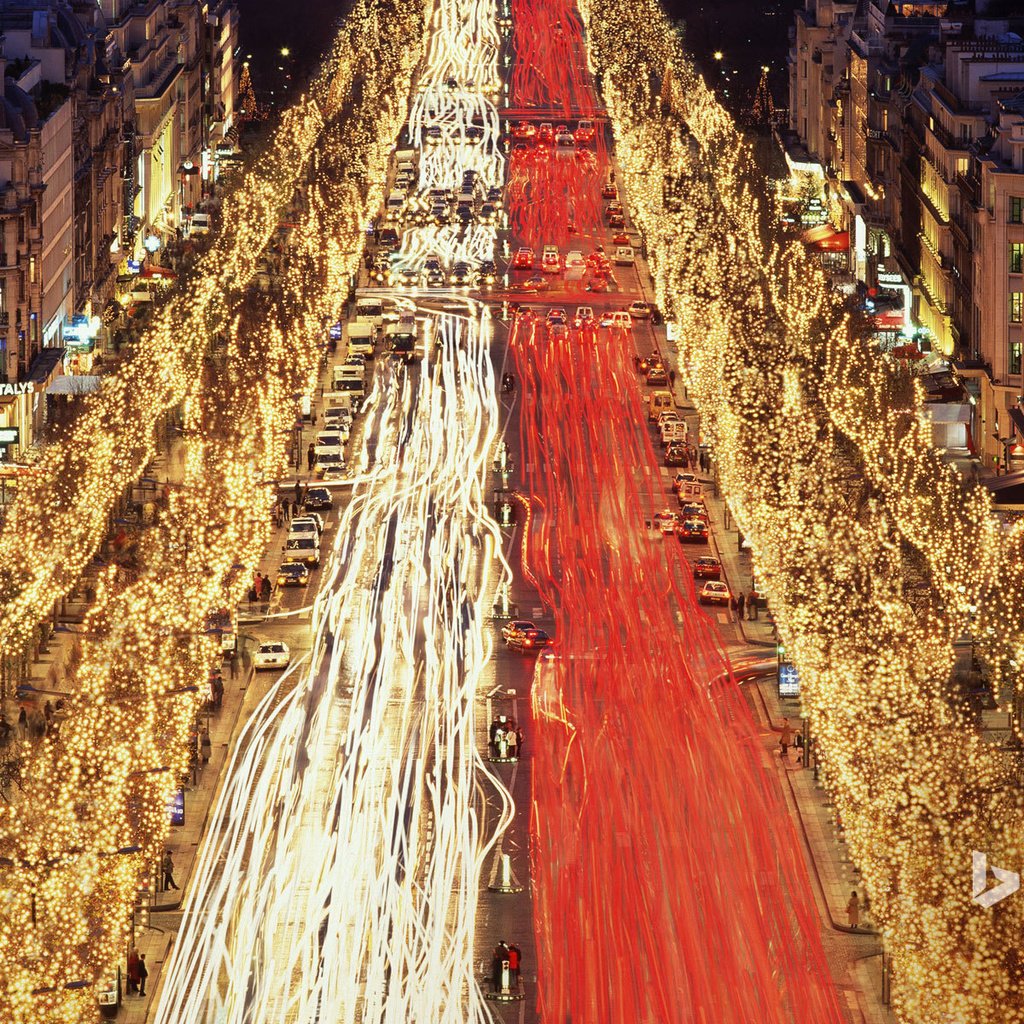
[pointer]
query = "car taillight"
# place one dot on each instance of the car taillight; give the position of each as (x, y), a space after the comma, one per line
(527, 643)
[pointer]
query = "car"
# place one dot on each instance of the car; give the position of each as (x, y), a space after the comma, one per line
(584, 316)
(303, 528)
(714, 592)
(433, 134)
(564, 141)
(694, 510)
(693, 531)
(487, 213)
(537, 283)
(310, 517)
(530, 641)
(615, 207)
(464, 215)
(597, 283)
(515, 627)
(524, 130)
(585, 132)
(546, 134)
(609, 191)
(639, 310)
(675, 454)
(462, 274)
(707, 568)
(381, 271)
(551, 260)
(487, 272)
(303, 549)
(520, 150)
(682, 478)
(474, 134)
(657, 376)
(292, 574)
(440, 215)
(495, 196)
(668, 522)
(622, 238)
(435, 279)
(523, 259)
(407, 277)
(389, 239)
(616, 220)
(271, 654)
(318, 498)
(556, 316)
(617, 319)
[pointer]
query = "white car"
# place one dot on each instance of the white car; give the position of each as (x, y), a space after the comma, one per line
(516, 628)
(311, 517)
(584, 316)
(303, 528)
(272, 654)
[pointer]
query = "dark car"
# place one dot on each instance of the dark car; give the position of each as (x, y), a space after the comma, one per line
(675, 454)
(292, 574)
(487, 272)
(318, 498)
(694, 531)
(529, 640)
(707, 568)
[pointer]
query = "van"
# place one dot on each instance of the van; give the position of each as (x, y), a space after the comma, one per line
(338, 401)
(673, 430)
(624, 255)
(200, 224)
(393, 207)
(657, 403)
(361, 339)
(347, 371)
(400, 338)
(370, 311)
(328, 441)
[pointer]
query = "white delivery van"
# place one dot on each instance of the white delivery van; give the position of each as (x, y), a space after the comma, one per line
(361, 339)
(624, 255)
(328, 441)
(346, 371)
(673, 430)
(339, 400)
(370, 311)
(200, 224)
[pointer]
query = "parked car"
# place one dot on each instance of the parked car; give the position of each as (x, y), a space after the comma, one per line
(272, 654)
(318, 498)
(694, 531)
(714, 592)
(707, 568)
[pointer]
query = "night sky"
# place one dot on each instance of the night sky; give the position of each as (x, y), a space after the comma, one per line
(747, 32)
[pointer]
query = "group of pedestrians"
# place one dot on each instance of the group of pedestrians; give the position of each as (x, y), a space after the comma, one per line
(513, 956)
(137, 973)
(743, 607)
(283, 510)
(260, 590)
(506, 738)
(31, 724)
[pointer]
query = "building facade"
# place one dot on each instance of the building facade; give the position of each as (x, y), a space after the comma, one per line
(909, 115)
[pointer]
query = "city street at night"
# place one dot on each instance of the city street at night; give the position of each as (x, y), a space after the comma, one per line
(508, 516)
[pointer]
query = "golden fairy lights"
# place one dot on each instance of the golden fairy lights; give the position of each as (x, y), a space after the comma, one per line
(104, 784)
(876, 558)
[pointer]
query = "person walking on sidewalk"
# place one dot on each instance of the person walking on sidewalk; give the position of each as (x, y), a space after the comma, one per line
(515, 962)
(168, 867)
(785, 732)
(143, 974)
(133, 971)
(853, 910)
(741, 602)
(298, 494)
(233, 664)
(310, 456)
(266, 588)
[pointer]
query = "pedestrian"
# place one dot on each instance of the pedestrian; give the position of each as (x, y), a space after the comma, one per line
(217, 686)
(5, 730)
(672, 378)
(785, 732)
(733, 604)
(266, 588)
(22, 722)
(276, 513)
(253, 597)
(510, 743)
(741, 602)
(233, 663)
(310, 456)
(143, 974)
(515, 962)
(206, 747)
(287, 506)
(48, 713)
(298, 493)
(168, 869)
(853, 910)
(519, 741)
(133, 971)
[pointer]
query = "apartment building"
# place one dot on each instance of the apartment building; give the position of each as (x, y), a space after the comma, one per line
(910, 114)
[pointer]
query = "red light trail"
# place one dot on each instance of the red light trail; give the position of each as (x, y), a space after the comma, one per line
(670, 881)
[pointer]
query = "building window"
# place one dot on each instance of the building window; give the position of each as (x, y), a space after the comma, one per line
(1015, 348)
(31, 270)
(1017, 209)
(1016, 307)
(1016, 257)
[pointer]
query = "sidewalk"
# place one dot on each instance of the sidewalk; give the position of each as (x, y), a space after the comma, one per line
(183, 842)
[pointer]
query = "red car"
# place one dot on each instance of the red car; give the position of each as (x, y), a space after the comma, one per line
(523, 259)
(585, 132)
(621, 239)
(524, 130)
(609, 191)
(537, 283)
(707, 568)
(546, 134)
(530, 641)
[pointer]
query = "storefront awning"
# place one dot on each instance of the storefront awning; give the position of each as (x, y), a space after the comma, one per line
(826, 238)
(908, 351)
(148, 271)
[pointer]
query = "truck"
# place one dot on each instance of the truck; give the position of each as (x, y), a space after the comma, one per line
(361, 338)
(370, 311)
(400, 338)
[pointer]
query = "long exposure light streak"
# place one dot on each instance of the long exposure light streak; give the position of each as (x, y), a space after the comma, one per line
(876, 556)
